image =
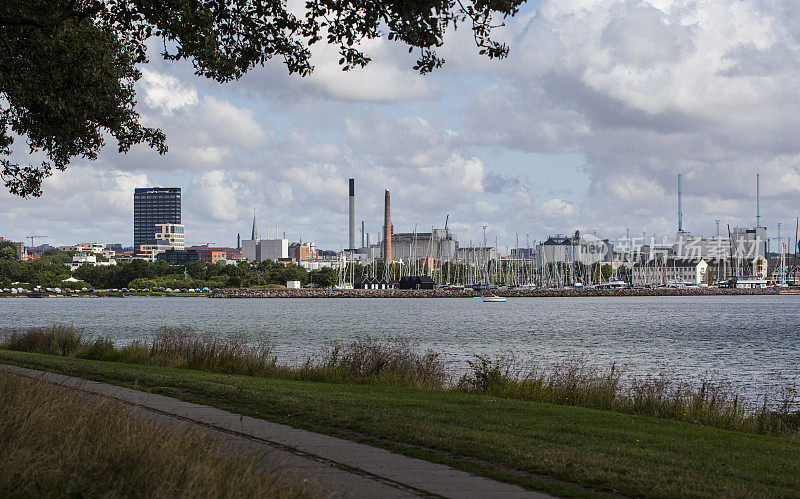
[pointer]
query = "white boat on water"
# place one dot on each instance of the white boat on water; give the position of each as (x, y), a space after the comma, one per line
(494, 299)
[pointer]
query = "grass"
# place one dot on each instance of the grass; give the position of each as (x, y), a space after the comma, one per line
(366, 361)
(570, 451)
(580, 383)
(573, 382)
(55, 442)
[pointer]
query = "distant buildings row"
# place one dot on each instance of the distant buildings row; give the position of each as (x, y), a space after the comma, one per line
(158, 234)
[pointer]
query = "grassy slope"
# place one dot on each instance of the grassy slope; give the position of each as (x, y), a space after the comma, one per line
(600, 450)
(54, 443)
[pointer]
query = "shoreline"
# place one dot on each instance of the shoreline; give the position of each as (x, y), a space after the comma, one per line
(470, 293)
(417, 293)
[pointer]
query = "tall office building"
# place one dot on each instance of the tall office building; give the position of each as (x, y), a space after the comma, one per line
(151, 206)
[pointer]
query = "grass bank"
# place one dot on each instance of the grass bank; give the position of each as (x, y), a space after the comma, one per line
(573, 382)
(56, 443)
(571, 451)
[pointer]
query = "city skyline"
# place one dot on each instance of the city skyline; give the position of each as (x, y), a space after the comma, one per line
(590, 139)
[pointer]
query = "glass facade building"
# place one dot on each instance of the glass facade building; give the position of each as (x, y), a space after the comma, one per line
(151, 206)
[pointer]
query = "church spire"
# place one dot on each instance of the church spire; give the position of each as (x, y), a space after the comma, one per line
(254, 235)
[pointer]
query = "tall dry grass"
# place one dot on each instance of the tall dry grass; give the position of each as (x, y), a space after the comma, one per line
(58, 339)
(369, 360)
(361, 361)
(181, 347)
(578, 382)
(55, 442)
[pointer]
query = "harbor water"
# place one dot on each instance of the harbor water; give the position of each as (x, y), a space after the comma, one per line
(750, 342)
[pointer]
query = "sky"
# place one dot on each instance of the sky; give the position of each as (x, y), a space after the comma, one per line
(585, 126)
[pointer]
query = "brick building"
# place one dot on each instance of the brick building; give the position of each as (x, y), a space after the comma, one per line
(213, 255)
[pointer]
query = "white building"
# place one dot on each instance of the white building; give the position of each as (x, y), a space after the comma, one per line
(84, 248)
(258, 250)
(669, 272)
(751, 283)
(96, 248)
(167, 237)
(86, 258)
(321, 264)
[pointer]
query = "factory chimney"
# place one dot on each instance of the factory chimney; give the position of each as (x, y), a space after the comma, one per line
(352, 214)
(387, 230)
(680, 202)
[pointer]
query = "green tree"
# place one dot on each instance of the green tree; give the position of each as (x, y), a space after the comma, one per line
(7, 251)
(57, 256)
(68, 67)
(606, 271)
(325, 277)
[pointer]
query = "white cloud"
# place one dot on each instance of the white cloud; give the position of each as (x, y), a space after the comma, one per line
(556, 208)
(84, 204)
(647, 89)
(640, 90)
(214, 197)
(386, 78)
(165, 92)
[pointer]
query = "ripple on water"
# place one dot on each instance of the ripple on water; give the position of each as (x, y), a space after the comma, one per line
(751, 342)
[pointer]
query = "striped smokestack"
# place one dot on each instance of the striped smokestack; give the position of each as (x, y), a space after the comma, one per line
(387, 231)
(352, 213)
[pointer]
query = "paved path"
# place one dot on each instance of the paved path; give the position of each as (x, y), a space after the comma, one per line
(340, 467)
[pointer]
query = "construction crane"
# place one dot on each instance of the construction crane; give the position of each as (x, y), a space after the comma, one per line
(33, 237)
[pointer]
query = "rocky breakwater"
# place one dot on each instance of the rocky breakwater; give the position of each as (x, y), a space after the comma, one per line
(344, 293)
(469, 293)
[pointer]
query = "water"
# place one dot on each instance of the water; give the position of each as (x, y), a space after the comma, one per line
(752, 342)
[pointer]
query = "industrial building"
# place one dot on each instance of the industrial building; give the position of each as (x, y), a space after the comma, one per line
(265, 249)
(256, 249)
(578, 248)
(743, 242)
(439, 245)
(476, 255)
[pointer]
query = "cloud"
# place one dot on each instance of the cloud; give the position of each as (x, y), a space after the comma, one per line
(637, 90)
(84, 204)
(556, 208)
(165, 92)
(647, 89)
(214, 197)
(388, 78)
